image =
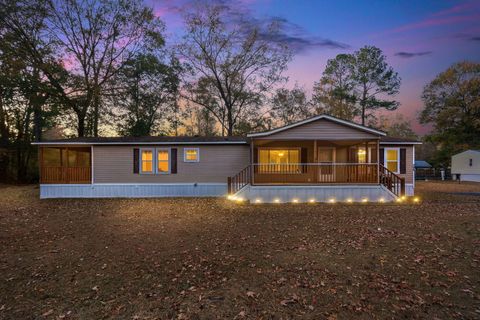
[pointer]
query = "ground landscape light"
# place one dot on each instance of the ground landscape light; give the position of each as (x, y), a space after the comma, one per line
(276, 200)
(416, 199)
(349, 200)
(311, 200)
(365, 200)
(295, 200)
(258, 200)
(332, 200)
(381, 200)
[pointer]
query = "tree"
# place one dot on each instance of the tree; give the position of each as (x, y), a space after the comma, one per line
(397, 126)
(452, 105)
(333, 94)
(146, 95)
(93, 38)
(373, 77)
(290, 106)
(233, 64)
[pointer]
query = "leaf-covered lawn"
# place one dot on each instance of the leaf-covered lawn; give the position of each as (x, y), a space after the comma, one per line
(209, 258)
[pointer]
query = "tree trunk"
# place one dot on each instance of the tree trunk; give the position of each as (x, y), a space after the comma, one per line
(96, 110)
(81, 125)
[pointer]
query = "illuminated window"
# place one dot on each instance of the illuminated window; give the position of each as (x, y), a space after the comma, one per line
(191, 155)
(163, 160)
(392, 160)
(279, 160)
(362, 155)
(146, 160)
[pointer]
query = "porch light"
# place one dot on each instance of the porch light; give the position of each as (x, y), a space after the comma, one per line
(349, 200)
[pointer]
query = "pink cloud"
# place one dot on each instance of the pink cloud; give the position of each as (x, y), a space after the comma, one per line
(437, 22)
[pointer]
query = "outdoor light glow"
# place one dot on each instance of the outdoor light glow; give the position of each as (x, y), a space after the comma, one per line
(295, 200)
(416, 199)
(381, 200)
(258, 201)
(332, 200)
(230, 197)
(240, 199)
(399, 199)
(365, 200)
(349, 200)
(276, 200)
(404, 197)
(311, 200)
(281, 154)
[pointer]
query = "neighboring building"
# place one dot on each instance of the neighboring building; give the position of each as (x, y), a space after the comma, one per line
(466, 166)
(319, 159)
(422, 164)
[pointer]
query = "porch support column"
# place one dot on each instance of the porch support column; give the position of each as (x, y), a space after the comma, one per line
(378, 161)
(315, 160)
(252, 167)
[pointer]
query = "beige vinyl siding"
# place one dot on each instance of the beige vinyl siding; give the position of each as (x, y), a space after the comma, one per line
(409, 158)
(461, 162)
(114, 164)
(321, 130)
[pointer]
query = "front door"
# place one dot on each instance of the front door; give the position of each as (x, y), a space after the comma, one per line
(326, 160)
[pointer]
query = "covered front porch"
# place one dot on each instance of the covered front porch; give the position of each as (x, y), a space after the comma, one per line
(314, 162)
(325, 168)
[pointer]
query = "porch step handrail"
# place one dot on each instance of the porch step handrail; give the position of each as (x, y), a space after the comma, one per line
(240, 180)
(392, 181)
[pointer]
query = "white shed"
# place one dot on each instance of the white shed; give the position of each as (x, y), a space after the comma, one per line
(467, 165)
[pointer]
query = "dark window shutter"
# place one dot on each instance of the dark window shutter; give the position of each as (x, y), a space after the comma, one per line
(373, 155)
(173, 160)
(382, 156)
(403, 160)
(255, 155)
(136, 160)
(304, 156)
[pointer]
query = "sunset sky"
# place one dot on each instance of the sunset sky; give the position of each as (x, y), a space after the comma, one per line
(419, 38)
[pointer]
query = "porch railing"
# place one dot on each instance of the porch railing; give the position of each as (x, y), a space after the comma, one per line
(79, 175)
(239, 180)
(313, 173)
(391, 181)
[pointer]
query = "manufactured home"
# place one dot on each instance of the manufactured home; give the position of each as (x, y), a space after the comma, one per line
(319, 159)
(466, 166)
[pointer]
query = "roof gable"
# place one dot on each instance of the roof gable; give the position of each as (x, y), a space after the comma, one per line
(324, 125)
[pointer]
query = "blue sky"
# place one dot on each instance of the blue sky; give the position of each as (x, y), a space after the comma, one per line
(419, 38)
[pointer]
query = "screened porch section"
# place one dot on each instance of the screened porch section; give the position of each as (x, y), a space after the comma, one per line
(70, 165)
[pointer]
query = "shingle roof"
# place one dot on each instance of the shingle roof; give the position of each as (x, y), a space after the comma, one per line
(401, 140)
(150, 139)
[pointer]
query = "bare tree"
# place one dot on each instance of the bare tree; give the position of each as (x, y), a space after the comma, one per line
(233, 65)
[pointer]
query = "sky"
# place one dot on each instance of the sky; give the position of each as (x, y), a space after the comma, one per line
(419, 38)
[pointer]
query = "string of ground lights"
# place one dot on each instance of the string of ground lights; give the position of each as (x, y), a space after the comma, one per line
(402, 199)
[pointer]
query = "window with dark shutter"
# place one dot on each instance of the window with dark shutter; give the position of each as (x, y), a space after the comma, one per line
(403, 160)
(173, 160)
(381, 155)
(136, 157)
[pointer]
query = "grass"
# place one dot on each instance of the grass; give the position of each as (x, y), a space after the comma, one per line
(211, 258)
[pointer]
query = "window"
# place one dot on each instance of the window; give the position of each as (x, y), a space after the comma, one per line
(392, 161)
(191, 155)
(362, 155)
(470, 162)
(147, 162)
(279, 160)
(163, 160)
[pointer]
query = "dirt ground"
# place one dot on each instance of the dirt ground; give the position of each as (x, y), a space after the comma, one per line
(210, 258)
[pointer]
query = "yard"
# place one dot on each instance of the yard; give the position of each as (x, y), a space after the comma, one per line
(210, 258)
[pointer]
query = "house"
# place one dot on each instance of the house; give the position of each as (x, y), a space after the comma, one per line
(466, 166)
(422, 164)
(322, 158)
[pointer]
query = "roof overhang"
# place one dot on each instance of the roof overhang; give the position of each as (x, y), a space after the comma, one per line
(46, 143)
(401, 142)
(323, 116)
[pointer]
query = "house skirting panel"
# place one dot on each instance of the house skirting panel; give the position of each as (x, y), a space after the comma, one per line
(468, 177)
(337, 193)
(132, 190)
